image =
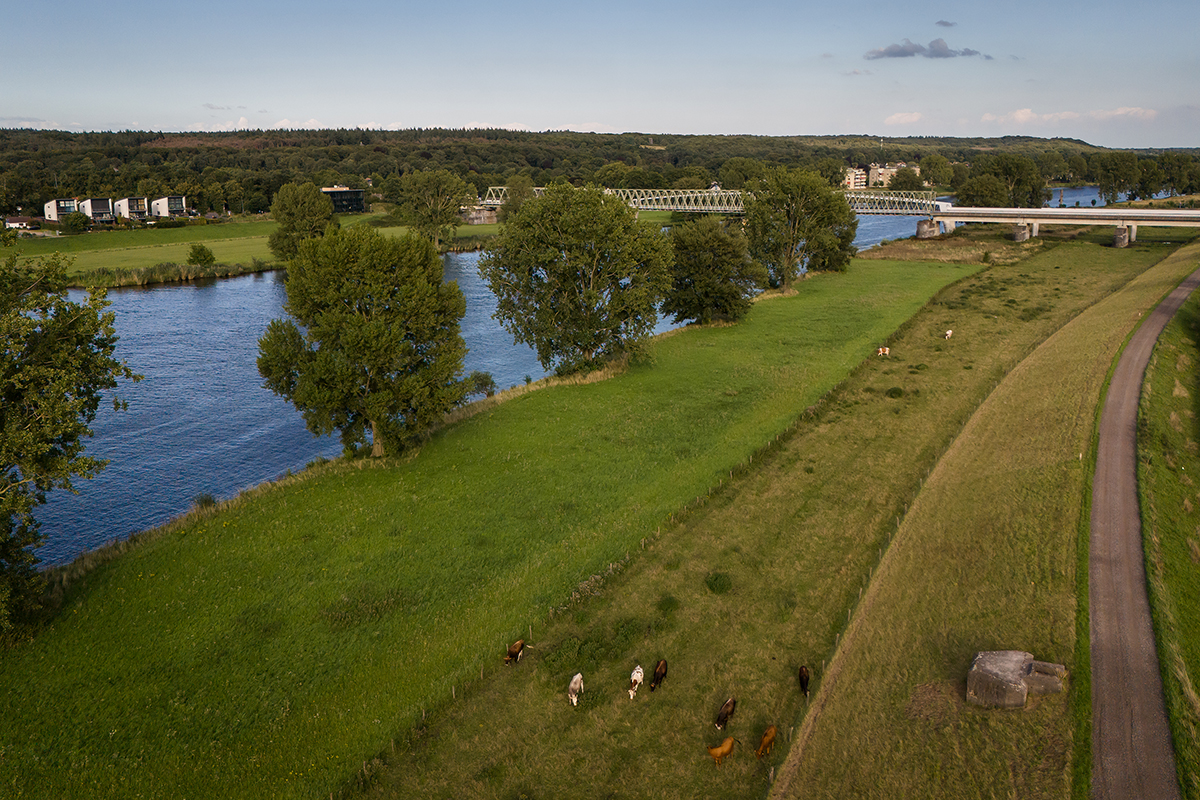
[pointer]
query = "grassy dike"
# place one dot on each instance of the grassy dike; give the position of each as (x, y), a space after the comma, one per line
(272, 648)
(768, 573)
(987, 558)
(1168, 468)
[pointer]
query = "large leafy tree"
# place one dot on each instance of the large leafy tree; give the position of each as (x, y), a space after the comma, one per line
(303, 212)
(577, 277)
(56, 360)
(794, 220)
(713, 277)
(431, 202)
(377, 346)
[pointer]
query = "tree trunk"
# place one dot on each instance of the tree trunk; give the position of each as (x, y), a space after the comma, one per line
(376, 441)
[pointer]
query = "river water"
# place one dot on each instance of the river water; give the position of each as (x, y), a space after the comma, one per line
(201, 423)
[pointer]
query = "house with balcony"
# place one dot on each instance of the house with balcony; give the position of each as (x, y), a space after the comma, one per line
(98, 209)
(174, 205)
(132, 207)
(55, 210)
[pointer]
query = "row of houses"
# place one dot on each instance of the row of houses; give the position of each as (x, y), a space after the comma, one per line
(103, 209)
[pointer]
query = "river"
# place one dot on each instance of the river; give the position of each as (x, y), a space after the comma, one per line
(201, 423)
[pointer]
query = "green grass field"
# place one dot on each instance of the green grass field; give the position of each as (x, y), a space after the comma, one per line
(274, 647)
(788, 548)
(1168, 458)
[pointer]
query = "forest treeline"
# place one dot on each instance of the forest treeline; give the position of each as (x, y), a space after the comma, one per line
(241, 171)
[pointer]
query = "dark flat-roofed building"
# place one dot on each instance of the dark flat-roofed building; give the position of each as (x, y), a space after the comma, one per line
(345, 200)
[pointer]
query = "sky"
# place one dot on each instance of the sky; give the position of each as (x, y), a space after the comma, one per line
(1122, 75)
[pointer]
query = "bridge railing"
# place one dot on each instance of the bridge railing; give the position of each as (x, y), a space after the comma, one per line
(731, 201)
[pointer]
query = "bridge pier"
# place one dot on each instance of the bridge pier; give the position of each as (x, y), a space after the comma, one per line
(1020, 232)
(1121, 239)
(926, 228)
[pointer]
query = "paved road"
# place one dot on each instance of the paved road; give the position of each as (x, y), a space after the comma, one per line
(1131, 741)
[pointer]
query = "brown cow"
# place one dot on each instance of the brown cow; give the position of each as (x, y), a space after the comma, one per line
(767, 742)
(804, 680)
(660, 674)
(725, 713)
(514, 651)
(722, 750)
(883, 351)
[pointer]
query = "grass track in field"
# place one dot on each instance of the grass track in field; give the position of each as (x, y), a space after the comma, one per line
(795, 540)
(1168, 471)
(271, 648)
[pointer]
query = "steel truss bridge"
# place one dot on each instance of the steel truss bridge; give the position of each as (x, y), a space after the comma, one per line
(730, 201)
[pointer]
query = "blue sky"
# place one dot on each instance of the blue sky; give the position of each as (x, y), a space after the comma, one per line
(1112, 74)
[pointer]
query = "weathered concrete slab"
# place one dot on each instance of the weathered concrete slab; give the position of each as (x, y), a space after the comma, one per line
(1004, 678)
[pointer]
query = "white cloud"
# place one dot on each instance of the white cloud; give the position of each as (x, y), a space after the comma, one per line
(1125, 113)
(1027, 116)
(903, 118)
(288, 124)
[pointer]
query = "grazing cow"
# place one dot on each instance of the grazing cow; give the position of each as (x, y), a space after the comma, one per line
(767, 742)
(514, 651)
(722, 750)
(948, 334)
(575, 689)
(804, 680)
(660, 673)
(635, 680)
(725, 713)
(883, 351)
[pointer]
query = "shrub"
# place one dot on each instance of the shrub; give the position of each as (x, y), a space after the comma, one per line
(201, 256)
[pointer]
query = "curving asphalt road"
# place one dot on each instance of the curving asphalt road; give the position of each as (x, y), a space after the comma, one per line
(1131, 740)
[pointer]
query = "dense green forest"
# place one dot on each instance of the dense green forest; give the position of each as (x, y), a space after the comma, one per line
(241, 171)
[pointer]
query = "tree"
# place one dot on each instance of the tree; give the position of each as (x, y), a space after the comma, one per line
(713, 277)
(984, 191)
(75, 222)
(1116, 174)
(303, 212)
(937, 170)
(520, 189)
(795, 221)
(201, 256)
(906, 179)
(56, 358)
(430, 203)
(375, 344)
(577, 277)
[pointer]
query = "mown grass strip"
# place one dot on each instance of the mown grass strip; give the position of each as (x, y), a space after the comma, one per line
(1168, 460)
(274, 646)
(789, 545)
(984, 560)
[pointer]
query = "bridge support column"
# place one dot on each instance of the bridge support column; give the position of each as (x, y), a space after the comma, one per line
(1034, 231)
(1132, 234)
(1020, 232)
(926, 229)
(948, 226)
(1122, 237)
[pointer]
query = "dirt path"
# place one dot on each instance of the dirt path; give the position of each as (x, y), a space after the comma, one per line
(1131, 740)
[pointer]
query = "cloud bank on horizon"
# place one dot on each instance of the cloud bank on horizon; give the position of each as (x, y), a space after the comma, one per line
(702, 68)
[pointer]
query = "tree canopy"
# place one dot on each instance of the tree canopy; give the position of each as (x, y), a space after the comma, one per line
(377, 347)
(713, 277)
(303, 211)
(795, 220)
(56, 359)
(577, 277)
(430, 203)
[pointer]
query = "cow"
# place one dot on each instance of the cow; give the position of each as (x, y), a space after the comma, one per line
(575, 689)
(883, 351)
(722, 750)
(725, 713)
(766, 743)
(948, 334)
(635, 680)
(514, 651)
(660, 674)
(804, 676)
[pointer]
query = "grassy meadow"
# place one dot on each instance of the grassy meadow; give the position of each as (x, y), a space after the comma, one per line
(767, 574)
(276, 645)
(1168, 457)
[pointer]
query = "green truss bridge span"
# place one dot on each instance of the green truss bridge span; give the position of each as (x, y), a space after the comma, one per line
(729, 201)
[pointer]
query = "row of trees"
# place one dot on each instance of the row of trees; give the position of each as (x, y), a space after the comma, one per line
(374, 351)
(243, 171)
